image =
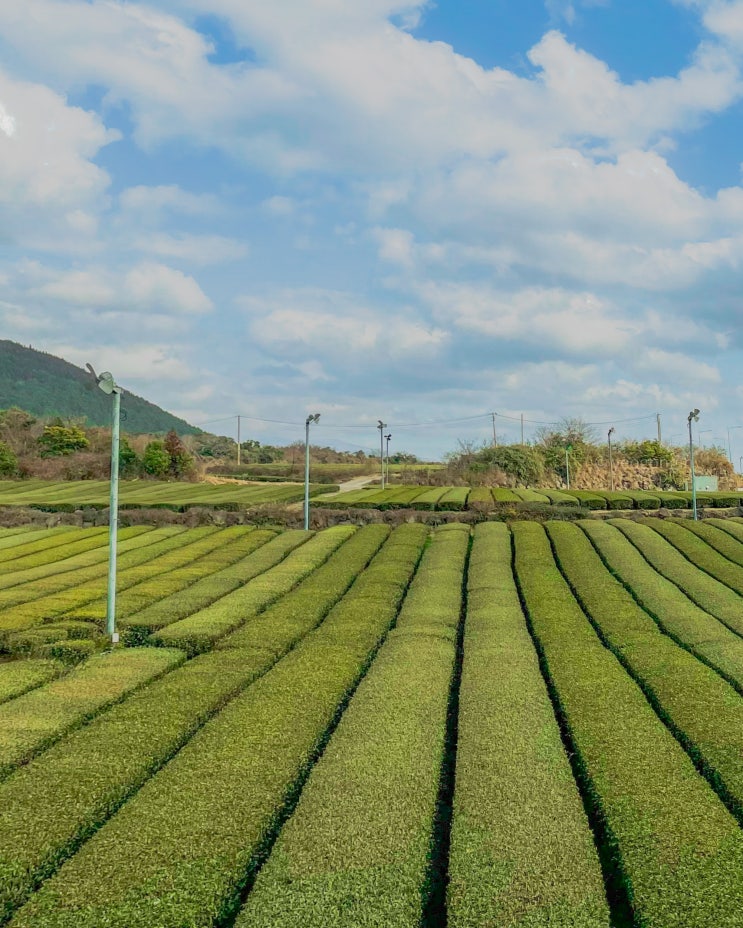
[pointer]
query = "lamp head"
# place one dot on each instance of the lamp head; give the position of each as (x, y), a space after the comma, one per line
(694, 414)
(388, 436)
(105, 381)
(612, 430)
(314, 418)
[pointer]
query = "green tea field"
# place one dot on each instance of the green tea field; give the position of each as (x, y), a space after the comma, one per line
(520, 726)
(77, 494)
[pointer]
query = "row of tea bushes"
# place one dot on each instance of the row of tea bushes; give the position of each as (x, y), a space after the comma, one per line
(677, 850)
(181, 849)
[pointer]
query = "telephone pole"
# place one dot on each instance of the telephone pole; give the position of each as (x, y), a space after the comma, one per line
(660, 438)
(495, 437)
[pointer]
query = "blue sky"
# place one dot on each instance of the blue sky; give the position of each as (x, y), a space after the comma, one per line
(387, 208)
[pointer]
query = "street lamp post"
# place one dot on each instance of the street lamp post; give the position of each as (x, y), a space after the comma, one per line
(611, 463)
(692, 417)
(381, 426)
(106, 383)
(307, 421)
(387, 454)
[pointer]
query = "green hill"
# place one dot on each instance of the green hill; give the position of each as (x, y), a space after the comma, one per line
(45, 385)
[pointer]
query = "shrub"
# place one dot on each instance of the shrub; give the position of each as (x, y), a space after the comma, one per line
(8, 461)
(676, 614)
(702, 589)
(156, 460)
(250, 771)
(531, 826)
(34, 721)
(59, 439)
(21, 676)
(678, 848)
(699, 552)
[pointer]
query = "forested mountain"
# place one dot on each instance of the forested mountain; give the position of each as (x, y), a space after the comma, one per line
(45, 385)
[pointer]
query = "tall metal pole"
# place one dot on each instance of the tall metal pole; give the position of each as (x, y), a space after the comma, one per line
(315, 418)
(693, 416)
(113, 519)
(660, 438)
(387, 455)
(611, 464)
(238, 441)
(382, 426)
(495, 437)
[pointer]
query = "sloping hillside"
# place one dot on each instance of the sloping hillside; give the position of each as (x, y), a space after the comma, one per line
(45, 385)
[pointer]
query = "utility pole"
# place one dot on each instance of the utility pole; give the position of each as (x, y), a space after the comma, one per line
(238, 441)
(693, 416)
(660, 438)
(495, 437)
(381, 426)
(522, 428)
(611, 464)
(315, 418)
(387, 439)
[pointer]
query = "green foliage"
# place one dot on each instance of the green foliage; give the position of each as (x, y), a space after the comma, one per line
(676, 614)
(8, 461)
(700, 553)
(705, 591)
(19, 676)
(252, 452)
(370, 802)
(57, 440)
(156, 460)
(646, 452)
(521, 463)
(176, 879)
(199, 631)
(679, 849)
(129, 463)
(32, 722)
(517, 810)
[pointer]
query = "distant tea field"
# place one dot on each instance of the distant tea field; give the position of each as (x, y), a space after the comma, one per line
(77, 494)
(518, 725)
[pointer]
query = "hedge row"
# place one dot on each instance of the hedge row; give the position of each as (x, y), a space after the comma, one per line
(709, 594)
(521, 849)
(54, 596)
(265, 550)
(504, 495)
(733, 527)
(455, 499)
(69, 566)
(201, 555)
(198, 632)
(676, 614)
(723, 542)
(110, 758)
(32, 722)
(18, 677)
(531, 496)
(696, 550)
(89, 539)
(678, 850)
(178, 853)
(702, 709)
(356, 849)
(480, 496)
(589, 499)
(558, 498)
(13, 539)
(304, 607)
(42, 549)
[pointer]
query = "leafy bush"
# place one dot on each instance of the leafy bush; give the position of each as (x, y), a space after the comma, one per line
(8, 461)
(34, 721)
(178, 879)
(156, 460)
(60, 439)
(673, 841)
(530, 825)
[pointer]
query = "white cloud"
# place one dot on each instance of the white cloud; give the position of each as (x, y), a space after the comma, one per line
(145, 288)
(135, 362)
(200, 250)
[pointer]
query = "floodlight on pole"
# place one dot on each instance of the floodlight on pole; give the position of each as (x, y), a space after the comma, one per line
(107, 384)
(692, 417)
(611, 464)
(387, 454)
(381, 426)
(308, 420)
